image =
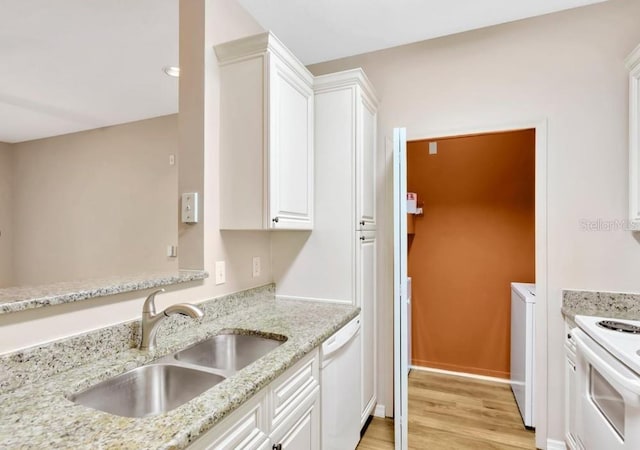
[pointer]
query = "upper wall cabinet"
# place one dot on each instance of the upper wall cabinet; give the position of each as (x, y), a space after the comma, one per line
(633, 64)
(366, 162)
(266, 136)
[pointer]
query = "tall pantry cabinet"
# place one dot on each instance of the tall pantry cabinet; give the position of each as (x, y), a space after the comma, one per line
(337, 261)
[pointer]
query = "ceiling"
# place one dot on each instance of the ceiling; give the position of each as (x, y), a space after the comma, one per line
(73, 65)
(322, 30)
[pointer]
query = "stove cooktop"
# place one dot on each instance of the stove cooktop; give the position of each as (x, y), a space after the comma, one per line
(616, 325)
(620, 337)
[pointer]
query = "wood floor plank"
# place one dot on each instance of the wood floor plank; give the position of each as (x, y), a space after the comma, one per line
(449, 412)
(379, 435)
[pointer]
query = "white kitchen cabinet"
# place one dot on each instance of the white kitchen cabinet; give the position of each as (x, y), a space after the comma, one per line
(300, 430)
(633, 64)
(286, 413)
(246, 428)
(332, 263)
(266, 137)
(322, 265)
(570, 387)
(366, 163)
(366, 300)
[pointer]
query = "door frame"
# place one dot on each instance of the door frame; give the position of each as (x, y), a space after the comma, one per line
(541, 249)
(400, 261)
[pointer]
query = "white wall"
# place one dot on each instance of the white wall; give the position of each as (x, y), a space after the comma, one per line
(6, 203)
(95, 203)
(566, 67)
(222, 20)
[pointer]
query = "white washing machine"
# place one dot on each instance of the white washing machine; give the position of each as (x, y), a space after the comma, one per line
(523, 302)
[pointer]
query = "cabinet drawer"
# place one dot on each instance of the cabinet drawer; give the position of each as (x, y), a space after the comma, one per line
(297, 383)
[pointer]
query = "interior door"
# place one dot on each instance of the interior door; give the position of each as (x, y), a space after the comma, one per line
(400, 323)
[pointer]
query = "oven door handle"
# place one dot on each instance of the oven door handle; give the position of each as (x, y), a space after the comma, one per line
(630, 384)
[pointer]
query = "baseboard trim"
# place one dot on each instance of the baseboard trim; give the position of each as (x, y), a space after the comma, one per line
(379, 411)
(556, 445)
(462, 374)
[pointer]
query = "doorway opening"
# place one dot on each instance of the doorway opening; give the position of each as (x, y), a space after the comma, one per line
(473, 234)
(487, 230)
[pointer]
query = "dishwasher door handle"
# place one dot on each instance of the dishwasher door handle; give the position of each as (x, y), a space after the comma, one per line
(341, 338)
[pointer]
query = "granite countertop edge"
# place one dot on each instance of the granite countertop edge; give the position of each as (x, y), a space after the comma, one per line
(30, 297)
(614, 305)
(40, 414)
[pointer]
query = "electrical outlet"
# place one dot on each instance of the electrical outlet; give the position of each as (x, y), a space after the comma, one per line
(256, 266)
(221, 276)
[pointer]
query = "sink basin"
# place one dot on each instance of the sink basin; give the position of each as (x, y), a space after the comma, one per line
(147, 391)
(228, 352)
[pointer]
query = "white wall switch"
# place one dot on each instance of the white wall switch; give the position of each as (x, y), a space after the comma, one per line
(433, 148)
(221, 276)
(190, 207)
(256, 266)
(172, 159)
(172, 251)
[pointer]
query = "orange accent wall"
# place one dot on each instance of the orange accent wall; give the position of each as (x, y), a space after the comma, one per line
(476, 236)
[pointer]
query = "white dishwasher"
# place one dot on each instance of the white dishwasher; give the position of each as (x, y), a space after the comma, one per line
(340, 387)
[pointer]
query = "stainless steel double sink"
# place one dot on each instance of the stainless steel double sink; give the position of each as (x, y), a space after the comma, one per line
(175, 379)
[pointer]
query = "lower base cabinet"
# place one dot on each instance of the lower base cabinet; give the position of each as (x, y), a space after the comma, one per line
(570, 387)
(285, 415)
(301, 430)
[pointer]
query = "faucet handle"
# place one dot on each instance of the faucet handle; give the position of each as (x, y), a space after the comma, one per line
(149, 304)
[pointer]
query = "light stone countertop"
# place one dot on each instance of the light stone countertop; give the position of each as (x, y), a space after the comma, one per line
(19, 298)
(615, 305)
(38, 414)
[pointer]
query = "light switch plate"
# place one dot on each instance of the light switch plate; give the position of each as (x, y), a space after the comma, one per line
(221, 276)
(256, 266)
(190, 207)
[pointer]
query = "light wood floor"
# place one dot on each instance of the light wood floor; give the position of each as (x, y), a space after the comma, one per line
(455, 413)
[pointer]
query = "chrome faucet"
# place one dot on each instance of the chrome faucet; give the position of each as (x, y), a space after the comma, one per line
(151, 320)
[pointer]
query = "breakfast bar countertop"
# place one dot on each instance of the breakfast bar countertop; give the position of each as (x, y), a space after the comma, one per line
(39, 415)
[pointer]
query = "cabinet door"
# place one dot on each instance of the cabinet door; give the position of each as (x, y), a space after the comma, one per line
(244, 429)
(366, 274)
(301, 430)
(290, 149)
(366, 165)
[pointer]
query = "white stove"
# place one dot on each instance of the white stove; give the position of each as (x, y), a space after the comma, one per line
(624, 345)
(607, 388)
